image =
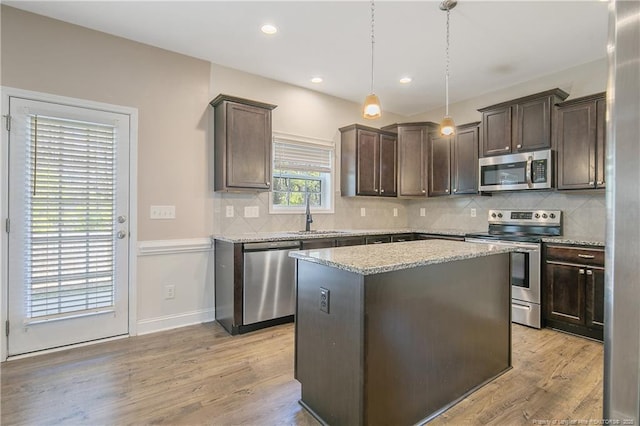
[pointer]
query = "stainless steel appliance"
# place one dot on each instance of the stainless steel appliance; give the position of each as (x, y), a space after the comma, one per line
(621, 395)
(523, 230)
(524, 170)
(269, 281)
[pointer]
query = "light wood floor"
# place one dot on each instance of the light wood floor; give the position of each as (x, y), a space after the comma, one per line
(201, 375)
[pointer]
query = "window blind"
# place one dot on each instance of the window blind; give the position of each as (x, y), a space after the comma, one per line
(303, 157)
(70, 259)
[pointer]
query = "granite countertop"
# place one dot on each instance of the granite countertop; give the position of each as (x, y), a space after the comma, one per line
(254, 237)
(582, 241)
(375, 259)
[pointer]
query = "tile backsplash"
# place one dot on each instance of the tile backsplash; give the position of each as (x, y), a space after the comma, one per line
(583, 212)
(378, 214)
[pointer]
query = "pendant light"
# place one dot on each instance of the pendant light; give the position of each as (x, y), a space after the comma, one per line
(371, 108)
(447, 126)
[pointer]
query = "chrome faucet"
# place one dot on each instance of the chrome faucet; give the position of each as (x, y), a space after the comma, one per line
(309, 218)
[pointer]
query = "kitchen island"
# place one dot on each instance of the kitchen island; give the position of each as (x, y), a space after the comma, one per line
(397, 333)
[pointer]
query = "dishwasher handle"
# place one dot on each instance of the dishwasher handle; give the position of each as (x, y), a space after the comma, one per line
(271, 245)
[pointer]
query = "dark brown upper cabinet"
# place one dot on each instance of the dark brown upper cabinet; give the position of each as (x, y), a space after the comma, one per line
(413, 139)
(368, 162)
(242, 144)
(453, 162)
(580, 142)
(523, 124)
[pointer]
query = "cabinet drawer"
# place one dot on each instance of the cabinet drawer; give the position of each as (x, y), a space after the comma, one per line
(576, 255)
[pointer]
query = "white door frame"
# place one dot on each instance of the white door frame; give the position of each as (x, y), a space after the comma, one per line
(7, 92)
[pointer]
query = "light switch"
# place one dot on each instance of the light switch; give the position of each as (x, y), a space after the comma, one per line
(162, 212)
(252, 211)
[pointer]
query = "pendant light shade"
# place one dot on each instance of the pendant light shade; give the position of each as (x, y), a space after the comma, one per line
(371, 108)
(447, 126)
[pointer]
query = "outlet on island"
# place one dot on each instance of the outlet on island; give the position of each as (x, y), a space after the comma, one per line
(324, 300)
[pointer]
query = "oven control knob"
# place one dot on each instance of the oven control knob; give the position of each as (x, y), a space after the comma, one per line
(499, 214)
(493, 215)
(537, 215)
(552, 215)
(544, 215)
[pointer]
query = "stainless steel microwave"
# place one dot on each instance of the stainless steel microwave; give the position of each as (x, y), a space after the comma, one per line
(524, 170)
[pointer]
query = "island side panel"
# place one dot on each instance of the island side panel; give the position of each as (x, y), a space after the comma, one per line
(329, 345)
(432, 334)
(227, 258)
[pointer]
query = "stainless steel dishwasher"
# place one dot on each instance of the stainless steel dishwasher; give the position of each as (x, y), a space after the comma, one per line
(269, 281)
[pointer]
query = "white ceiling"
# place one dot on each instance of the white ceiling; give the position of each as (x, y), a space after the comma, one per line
(494, 44)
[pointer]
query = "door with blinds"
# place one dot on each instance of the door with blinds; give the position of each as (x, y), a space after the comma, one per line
(68, 225)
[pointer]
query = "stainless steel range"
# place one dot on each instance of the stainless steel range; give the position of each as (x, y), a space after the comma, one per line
(522, 230)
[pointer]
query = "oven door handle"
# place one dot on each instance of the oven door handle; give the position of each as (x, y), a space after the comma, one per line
(529, 172)
(520, 247)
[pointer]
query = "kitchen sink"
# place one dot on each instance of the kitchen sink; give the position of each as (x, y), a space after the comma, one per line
(315, 232)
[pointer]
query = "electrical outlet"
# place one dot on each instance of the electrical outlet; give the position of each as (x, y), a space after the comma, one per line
(423, 212)
(229, 211)
(162, 212)
(363, 211)
(324, 299)
(395, 212)
(169, 291)
(252, 211)
(473, 212)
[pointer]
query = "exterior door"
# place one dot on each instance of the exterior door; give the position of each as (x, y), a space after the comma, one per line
(68, 225)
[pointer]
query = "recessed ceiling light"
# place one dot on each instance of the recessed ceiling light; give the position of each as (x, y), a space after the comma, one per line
(316, 80)
(405, 80)
(269, 29)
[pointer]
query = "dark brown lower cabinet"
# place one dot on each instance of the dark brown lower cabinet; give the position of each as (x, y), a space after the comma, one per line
(317, 243)
(349, 241)
(574, 290)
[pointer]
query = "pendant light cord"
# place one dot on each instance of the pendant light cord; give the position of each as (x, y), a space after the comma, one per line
(373, 38)
(446, 82)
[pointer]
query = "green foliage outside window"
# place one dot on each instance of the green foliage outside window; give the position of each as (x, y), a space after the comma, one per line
(290, 188)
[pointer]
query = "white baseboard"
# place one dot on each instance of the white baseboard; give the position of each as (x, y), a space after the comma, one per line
(153, 325)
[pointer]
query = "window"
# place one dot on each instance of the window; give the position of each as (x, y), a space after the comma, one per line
(302, 167)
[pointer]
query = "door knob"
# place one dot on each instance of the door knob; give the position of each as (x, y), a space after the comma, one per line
(121, 234)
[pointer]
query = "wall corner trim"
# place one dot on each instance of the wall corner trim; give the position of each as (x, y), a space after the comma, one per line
(156, 247)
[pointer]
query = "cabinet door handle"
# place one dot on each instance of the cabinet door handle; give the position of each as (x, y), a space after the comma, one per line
(589, 272)
(424, 190)
(381, 190)
(506, 148)
(446, 190)
(377, 242)
(591, 182)
(518, 146)
(268, 183)
(599, 182)
(455, 190)
(586, 256)
(581, 271)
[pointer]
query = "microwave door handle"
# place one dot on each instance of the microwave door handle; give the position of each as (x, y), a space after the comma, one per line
(528, 172)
